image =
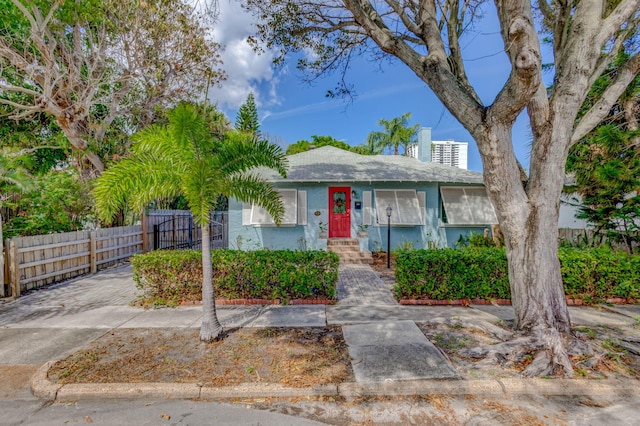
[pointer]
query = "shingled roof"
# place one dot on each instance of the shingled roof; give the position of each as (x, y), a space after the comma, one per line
(330, 164)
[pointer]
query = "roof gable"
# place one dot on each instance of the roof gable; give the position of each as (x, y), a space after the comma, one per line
(331, 164)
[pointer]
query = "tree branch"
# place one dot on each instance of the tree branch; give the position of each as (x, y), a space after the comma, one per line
(616, 46)
(18, 89)
(523, 48)
(612, 93)
(621, 14)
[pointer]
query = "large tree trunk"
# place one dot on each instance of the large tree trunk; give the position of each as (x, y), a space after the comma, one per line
(210, 328)
(537, 292)
(528, 214)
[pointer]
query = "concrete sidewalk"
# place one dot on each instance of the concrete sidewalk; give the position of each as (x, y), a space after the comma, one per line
(389, 353)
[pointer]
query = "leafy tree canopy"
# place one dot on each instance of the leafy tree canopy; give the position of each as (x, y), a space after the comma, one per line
(316, 142)
(57, 202)
(102, 69)
(608, 179)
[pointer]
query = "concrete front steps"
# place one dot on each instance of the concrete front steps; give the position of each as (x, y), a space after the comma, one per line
(348, 249)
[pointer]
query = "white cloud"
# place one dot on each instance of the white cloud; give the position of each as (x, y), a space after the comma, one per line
(246, 70)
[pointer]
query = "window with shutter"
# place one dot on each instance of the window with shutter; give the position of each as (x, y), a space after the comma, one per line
(405, 205)
(467, 206)
(260, 216)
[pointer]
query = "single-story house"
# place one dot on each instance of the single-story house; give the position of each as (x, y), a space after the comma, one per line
(332, 193)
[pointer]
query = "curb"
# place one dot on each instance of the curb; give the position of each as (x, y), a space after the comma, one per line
(43, 388)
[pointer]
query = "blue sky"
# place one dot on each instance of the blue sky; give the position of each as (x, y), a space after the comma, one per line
(291, 110)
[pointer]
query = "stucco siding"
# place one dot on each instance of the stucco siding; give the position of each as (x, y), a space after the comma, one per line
(431, 234)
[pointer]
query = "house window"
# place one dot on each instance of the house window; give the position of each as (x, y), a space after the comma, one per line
(259, 216)
(467, 206)
(408, 207)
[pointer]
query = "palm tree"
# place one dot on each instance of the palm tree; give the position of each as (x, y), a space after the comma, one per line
(182, 158)
(396, 133)
(13, 177)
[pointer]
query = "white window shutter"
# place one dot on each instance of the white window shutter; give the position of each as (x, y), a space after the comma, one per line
(405, 205)
(467, 206)
(422, 202)
(260, 216)
(302, 207)
(246, 214)
(366, 208)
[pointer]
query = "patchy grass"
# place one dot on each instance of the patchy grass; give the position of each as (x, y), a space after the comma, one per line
(294, 357)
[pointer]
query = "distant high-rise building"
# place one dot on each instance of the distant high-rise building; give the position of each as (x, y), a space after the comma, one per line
(450, 153)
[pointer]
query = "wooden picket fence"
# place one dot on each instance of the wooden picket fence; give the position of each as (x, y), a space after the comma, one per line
(31, 262)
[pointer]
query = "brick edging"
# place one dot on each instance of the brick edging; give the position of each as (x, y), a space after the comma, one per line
(467, 302)
(262, 302)
(456, 302)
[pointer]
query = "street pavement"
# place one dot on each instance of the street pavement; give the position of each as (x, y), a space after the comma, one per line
(390, 355)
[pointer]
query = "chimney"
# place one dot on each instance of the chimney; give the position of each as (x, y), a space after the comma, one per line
(424, 144)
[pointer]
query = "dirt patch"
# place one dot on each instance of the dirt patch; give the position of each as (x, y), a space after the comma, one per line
(452, 339)
(611, 354)
(297, 357)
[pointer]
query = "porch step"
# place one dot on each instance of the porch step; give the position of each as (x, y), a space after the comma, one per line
(341, 242)
(348, 249)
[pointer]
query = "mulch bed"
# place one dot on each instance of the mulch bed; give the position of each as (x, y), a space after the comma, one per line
(294, 357)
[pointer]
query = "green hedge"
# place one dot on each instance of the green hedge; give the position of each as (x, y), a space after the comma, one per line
(169, 277)
(597, 274)
(593, 274)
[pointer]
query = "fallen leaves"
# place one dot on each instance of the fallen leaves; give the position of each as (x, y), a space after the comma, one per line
(297, 357)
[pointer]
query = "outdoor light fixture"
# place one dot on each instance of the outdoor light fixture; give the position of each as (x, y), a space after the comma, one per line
(389, 211)
(354, 194)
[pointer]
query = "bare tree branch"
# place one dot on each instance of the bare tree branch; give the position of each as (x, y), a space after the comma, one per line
(610, 96)
(523, 48)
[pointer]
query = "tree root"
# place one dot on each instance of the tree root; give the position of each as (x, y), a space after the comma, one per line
(630, 344)
(545, 350)
(552, 356)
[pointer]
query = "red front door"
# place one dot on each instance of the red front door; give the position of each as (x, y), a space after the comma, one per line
(340, 212)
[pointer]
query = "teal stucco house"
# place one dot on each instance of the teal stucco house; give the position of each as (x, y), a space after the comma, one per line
(332, 194)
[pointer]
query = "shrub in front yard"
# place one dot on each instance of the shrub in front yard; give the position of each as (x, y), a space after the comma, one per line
(172, 276)
(596, 274)
(449, 274)
(590, 274)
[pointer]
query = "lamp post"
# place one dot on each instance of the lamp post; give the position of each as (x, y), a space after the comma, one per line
(389, 210)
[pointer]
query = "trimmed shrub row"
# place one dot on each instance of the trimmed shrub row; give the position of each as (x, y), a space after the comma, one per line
(593, 274)
(169, 277)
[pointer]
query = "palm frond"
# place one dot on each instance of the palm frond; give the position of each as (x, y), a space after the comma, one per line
(158, 141)
(250, 188)
(242, 152)
(188, 129)
(201, 187)
(135, 181)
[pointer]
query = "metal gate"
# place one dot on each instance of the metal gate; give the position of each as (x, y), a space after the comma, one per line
(180, 232)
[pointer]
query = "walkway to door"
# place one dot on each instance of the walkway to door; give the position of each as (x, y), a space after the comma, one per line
(361, 285)
(382, 345)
